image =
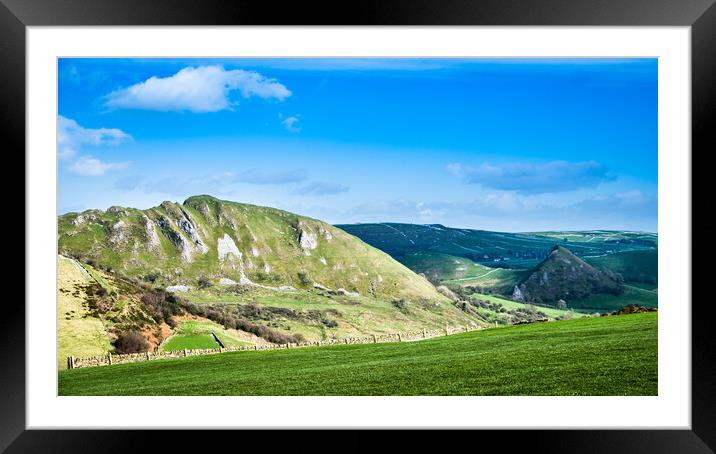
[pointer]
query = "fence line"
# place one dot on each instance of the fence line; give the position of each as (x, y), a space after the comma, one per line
(110, 359)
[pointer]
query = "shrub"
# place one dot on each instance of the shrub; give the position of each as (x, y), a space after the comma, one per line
(131, 342)
(162, 305)
(400, 304)
(204, 282)
(303, 279)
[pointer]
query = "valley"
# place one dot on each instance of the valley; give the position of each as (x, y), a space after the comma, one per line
(209, 273)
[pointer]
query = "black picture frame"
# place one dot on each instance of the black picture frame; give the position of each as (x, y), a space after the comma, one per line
(700, 15)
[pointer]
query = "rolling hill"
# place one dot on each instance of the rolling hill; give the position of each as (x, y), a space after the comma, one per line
(258, 274)
(506, 250)
(209, 239)
(494, 262)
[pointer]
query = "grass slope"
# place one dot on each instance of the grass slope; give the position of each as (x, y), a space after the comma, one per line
(635, 266)
(353, 316)
(551, 312)
(78, 333)
(589, 356)
(193, 334)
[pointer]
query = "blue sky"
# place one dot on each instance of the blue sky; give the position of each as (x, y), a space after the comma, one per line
(495, 144)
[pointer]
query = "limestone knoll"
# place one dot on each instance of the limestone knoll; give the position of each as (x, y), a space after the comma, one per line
(220, 242)
(564, 276)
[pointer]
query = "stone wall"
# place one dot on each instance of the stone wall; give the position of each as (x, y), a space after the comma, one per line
(109, 359)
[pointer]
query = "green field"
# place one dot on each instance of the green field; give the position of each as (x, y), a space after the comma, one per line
(589, 356)
(190, 342)
(193, 334)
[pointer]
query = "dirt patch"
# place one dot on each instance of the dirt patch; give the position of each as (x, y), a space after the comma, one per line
(156, 335)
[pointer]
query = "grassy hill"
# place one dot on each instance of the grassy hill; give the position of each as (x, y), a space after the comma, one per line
(564, 276)
(636, 266)
(253, 271)
(206, 240)
(591, 356)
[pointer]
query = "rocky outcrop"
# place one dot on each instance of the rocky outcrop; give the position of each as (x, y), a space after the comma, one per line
(225, 247)
(118, 235)
(325, 233)
(564, 276)
(307, 239)
(344, 292)
(152, 236)
(517, 294)
(176, 238)
(189, 228)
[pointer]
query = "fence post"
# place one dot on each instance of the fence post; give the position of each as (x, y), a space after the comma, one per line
(400, 339)
(425, 333)
(147, 355)
(70, 362)
(185, 353)
(374, 339)
(109, 357)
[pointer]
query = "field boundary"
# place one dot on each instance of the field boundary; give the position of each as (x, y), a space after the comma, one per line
(111, 359)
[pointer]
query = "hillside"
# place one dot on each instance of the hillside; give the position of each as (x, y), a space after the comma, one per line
(206, 240)
(80, 331)
(564, 276)
(537, 359)
(506, 250)
(242, 273)
(636, 266)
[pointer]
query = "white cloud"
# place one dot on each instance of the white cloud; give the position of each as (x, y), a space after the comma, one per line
(196, 89)
(93, 167)
(290, 124)
(71, 137)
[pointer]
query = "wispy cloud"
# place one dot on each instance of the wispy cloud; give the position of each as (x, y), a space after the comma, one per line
(71, 137)
(93, 167)
(515, 212)
(291, 125)
(321, 188)
(255, 176)
(530, 178)
(197, 89)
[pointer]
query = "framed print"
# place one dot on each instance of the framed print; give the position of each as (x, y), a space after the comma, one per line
(456, 216)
